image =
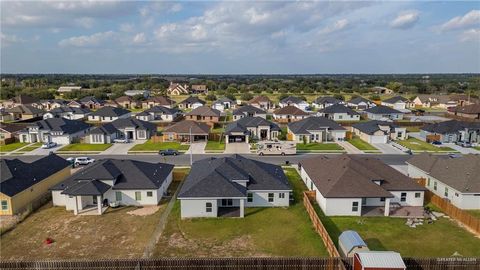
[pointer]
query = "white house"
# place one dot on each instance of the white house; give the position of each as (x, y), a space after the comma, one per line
(223, 104)
(379, 131)
(249, 111)
(124, 128)
(350, 185)
(289, 114)
(191, 103)
(315, 129)
(383, 113)
(360, 103)
(454, 179)
(113, 181)
(324, 102)
(339, 112)
(131, 93)
(398, 103)
(58, 130)
(294, 101)
(109, 114)
(223, 187)
(158, 113)
(72, 113)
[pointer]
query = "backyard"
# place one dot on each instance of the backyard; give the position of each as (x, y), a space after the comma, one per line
(74, 147)
(254, 235)
(415, 144)
(362, 145)
(319, 147)
(154, 146)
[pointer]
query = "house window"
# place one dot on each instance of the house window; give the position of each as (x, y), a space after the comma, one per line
(340, 117)
(403, 196)
(138, 195)
(446, 192)
(149, 194)
(417, 194)
(354, 206)
(270, 197)
(382, 199)
(428, 182)
(435, 185)
(227, 202)
(118, 196)
(249, 197)
(141, 134)
(281, 195)
(4, 205)
(208, 207)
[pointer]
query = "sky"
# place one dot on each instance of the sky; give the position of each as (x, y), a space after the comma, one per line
(239, 37)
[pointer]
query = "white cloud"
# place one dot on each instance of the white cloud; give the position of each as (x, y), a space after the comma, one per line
(177, 7)
(462, 22)
(335, 27)
(471, 35)
(139, 38)
(6, 40)
(88, 41)
(405, 19)
(126, 27)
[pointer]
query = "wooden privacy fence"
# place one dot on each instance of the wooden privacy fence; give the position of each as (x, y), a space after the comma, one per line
(318, 225)
(462, 216)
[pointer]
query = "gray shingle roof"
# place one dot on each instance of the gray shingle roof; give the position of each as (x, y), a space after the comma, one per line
(64, 125)
(292, 99)
(327, 100)
(91, 99)
(290, 110)
(24, 109)
(371, 127)
(66, 109)
(121, 123)
(162, 110)
(395, 99)
(242, 124)
(17, 176)
(313, 124)
(191, 100)
(223, 100)
(451, 126)
(213, 177)
(339, 108)
(205, 111)
(358, 100)
(248, 109)
(382, 110)
(109, 111)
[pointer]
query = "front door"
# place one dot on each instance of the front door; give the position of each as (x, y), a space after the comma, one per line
(263, 134)
(130, 135)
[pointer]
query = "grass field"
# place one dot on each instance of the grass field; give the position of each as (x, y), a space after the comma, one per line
(76, 147)
(362, 145)
(215, 146)
(319, 147)
(475, 213)
(151, 146)
(31, 147)
(415, 144)
(11, 147)
(262, 232)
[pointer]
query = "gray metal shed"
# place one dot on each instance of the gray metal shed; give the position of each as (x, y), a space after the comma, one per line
(350, 242)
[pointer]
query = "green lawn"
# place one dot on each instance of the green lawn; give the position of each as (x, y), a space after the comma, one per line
(319, 147)
(440, 239)
(475, 213)
(262, 232)
(151, 146)
(361, 144)
(477, 147)
(415, 144)
(215, 146)
(413, 129)
(74, 147)
(31, 147)
(12, 146)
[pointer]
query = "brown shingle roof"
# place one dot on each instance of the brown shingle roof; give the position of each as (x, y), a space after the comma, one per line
(123, 99)
(161, 100)
(469, 109)
(205, 111)
(183, 127)
(292, 110)
(353, 177)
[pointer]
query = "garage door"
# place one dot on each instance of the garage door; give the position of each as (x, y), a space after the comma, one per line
(62, 140)
(236, 138)
(378, 139)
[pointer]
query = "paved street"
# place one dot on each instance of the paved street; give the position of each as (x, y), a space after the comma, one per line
(387, 148)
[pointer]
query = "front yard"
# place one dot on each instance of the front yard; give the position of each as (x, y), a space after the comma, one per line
(319, 147)
(263, 232)
(11, 147)
(78, 147)
(415, 144)
(150, 146)
(215, 146)
(362, 145)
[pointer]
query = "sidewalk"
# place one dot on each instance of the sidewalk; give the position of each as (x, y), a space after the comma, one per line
(17, 150)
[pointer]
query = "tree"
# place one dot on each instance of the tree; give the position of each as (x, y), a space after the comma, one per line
(211, 97)
(230, 96)
(339, 96)
(395, 86)
(246, 96)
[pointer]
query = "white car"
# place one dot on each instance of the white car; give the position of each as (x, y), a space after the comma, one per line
(125, 140)
(83, 161)
(48, 145)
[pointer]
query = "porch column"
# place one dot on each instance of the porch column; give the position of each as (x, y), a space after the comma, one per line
(75, 209)
(226, 139)
(242, 208)
(387, 207)
(99, 204)
(246, 138)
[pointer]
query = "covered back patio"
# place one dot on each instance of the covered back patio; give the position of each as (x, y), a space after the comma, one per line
(87, 197)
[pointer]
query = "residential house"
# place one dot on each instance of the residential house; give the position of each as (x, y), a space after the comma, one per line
(398, 103)
(463, 100)
(199, 89)
(383, 113)
(122, 128)
(352, 185)
(191, 103)
(132, 93)
(176, 89)
(75, 104)
(315, 129)
(360, 103)
(185, 131)
(204, 114)
(25, 185)
(454, 179)
(248, 111)
(20, 100)
(294, 101)
(91, 102)
(324, 102)
(72, 113)
(223, 104)
(50, 104)
(68, 89)
(262, 102)
(109, 114)
(379, 131)
(289, 114)
(451, 131)
(118, 181)
(5, 116)
(158, 101)
(158, 113)
(217, 187)
(58, 130)
(339, 112)
(9, 133)
(251, 128)
(126, 102)
(379, 90)
(469, 111)
(24, 112)
(433, 101)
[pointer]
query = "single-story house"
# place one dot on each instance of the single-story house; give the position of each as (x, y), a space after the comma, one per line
(9, 132)
(289, 114)
(109, 114)
(132, 93)
(58, 130)
(248, 111)
(251, 127)
(186, 129)
(324, 102)
(128, 128)
(451, 131)
(176, 89)
(50, 104)
(126, 102)
(315, 129)
(158, 113)
(217, 187)
(20, 100)
(158, 101)
(223, 104)
(68, 89)
(360, 103)
(383, 113)
(294, 101)
(24, 184)
(24, 112)
(469, 111)
(379, 131)
(199, 89)
(454, 179)
(380, 90)
(119, 181)
(191, 103)
(398, 103)
(433, 101)
(204, 114)
(351, 185)
(72, 113)
(5, 116)
(339, 112)
(261, 102)
(91, 102)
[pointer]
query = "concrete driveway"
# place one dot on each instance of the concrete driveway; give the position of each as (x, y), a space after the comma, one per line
(237, 148)
(121, 148)
(197, 148)
(387, 148)
(460, 149)
(43, 152)
(349, 147)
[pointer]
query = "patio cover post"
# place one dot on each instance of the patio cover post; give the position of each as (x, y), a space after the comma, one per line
(387, 207)
(242, 208)
(75, 210)
(99, 204)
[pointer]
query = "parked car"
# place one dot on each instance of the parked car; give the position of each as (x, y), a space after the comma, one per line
(168, 152)
(124, 140)
(83, 161)
(437, 143)
(464, 144)
(48, 145)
